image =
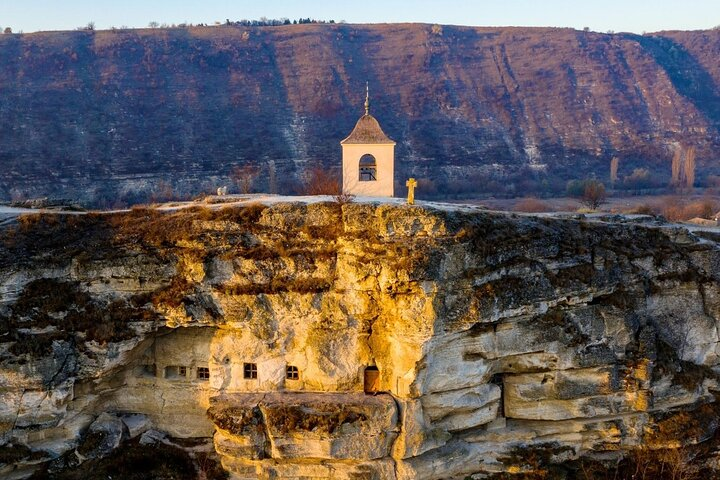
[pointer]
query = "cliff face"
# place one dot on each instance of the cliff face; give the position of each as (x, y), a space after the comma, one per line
(106, 115)
(502, 343)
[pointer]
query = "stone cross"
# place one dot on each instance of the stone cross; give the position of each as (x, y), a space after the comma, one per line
(411, 184)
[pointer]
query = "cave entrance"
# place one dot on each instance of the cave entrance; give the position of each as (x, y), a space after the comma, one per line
(372, 379)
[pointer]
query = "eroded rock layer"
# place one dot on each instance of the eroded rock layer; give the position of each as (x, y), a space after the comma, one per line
(485, 338)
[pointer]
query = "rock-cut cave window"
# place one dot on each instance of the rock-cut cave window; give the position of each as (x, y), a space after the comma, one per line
(292, 373)
(368, 168)
(175, 372)
(203, 373)
(148, 370)
(249, 371)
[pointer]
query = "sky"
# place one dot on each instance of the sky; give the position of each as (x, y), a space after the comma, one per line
(636, 16)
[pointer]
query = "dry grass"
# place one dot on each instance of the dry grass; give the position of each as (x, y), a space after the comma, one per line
(664, 464)
(322, 419)
(63, 305)
(642, 209)
(677, 212)
(532, 205)
(53, 237)
(535, 463)
(152, 227)
(173, 294)
(676, 208)
(643, 464)
(675, 448)
(237, 420)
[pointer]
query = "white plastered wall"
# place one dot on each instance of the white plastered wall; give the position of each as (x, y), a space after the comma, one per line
(385, 160)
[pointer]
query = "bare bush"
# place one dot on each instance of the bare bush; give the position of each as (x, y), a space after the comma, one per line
(594, 194)
(675, 210)
(163, 192)
(670, 464)
(343, 198)
(322, 182)
(244, 177)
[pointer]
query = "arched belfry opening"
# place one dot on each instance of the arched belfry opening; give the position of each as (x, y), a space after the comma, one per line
(368, 168)
(368, 158)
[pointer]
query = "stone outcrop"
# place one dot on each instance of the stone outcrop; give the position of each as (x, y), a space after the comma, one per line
(503, 343)
(277, 432)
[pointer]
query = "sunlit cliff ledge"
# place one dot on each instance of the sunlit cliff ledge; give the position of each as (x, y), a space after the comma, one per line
(489, 343)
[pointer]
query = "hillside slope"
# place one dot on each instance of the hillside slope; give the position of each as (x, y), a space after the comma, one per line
(91, 114)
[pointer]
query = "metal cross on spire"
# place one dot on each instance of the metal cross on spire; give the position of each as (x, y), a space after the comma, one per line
(367, 99)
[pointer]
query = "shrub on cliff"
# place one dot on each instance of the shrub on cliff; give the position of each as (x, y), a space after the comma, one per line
(322, 182)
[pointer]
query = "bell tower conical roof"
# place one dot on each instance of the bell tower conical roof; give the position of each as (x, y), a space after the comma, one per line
(367, 130)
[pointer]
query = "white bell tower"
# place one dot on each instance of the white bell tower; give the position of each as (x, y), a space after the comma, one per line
(368, 157)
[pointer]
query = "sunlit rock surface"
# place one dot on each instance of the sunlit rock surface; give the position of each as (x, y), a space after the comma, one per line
(251, 328)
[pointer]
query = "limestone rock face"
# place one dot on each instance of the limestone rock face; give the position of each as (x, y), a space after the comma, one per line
(484, 336)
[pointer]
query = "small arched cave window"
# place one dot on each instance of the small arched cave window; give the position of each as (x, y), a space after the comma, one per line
(292, 373)
(249, 371)
(368, 168)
